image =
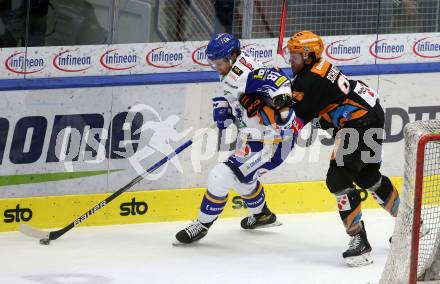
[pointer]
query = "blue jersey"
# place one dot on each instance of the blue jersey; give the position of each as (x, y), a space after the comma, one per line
(255, 159)
(269, 83)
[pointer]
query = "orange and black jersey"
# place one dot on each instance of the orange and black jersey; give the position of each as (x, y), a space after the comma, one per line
(322, 90)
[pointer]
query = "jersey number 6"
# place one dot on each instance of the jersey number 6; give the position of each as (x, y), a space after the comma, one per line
(343, 84)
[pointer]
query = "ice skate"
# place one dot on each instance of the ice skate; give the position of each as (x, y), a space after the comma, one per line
(194, 232)
(358, 252)
(264, 219)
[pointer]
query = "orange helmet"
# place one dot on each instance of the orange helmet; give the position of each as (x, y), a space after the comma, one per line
(306, 42)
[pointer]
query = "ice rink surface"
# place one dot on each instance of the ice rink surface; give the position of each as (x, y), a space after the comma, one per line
(306, 249)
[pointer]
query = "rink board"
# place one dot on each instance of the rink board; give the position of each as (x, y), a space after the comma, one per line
(161, 205)
(37, 127)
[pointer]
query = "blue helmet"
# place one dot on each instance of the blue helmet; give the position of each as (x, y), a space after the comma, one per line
(222, 46)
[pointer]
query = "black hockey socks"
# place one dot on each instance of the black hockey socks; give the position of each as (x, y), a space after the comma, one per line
(349, 206)
(386, 195)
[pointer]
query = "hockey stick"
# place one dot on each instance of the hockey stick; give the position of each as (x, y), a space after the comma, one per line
(279, 57)
(46, 236)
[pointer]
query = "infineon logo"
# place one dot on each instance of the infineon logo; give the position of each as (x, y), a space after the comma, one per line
(20, 64)
(160, 58)
(427, 47)
(263, 55)
(67, 61)
(114, 60)
(388, 51)
(199, 56)
(340, 51)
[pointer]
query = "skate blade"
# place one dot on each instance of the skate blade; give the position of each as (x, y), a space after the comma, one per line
(274, 224)
(176, 243)
(361, 260)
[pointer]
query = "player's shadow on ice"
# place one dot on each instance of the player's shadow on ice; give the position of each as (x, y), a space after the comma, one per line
(259, 232)
(203, 244)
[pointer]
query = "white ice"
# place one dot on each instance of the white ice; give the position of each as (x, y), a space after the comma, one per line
(306, 249)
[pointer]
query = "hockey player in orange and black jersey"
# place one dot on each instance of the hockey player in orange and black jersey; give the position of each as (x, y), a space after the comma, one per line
(323, 94)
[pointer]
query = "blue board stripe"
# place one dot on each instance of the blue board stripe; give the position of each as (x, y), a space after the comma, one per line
(192, 77)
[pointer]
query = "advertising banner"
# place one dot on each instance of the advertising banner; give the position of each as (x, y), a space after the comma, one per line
(169, 57)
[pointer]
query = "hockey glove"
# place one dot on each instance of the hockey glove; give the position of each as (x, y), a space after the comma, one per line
(316, 122)
(282, 100)
(321, 123)
(252, 102)
(221, 112)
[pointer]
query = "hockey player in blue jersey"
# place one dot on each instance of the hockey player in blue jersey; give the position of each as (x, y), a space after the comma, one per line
(255, 100)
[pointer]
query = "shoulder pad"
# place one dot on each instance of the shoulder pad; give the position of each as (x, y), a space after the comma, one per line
(321, 67)
(245, 62)
(241, 68)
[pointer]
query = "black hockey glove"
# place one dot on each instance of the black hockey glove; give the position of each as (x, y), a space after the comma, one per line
(252, 102)
(282, 100)
(321, 123)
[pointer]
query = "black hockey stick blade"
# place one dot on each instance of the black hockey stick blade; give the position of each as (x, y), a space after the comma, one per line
(34, 232)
